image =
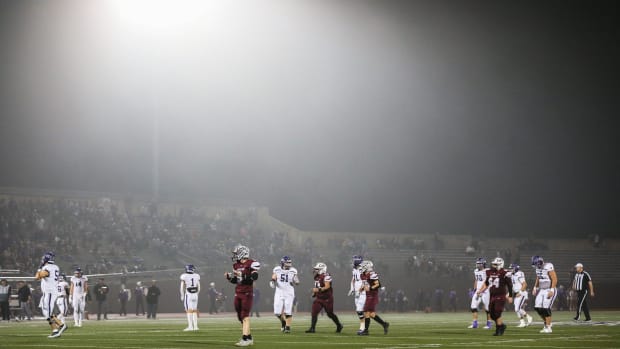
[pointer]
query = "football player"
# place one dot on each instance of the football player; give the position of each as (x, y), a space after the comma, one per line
(63, 298)
(190, 287)
(371, 286)
(498, 283)
(245, 272)
(519, 289)
(357, 290)
(544, 290)
(48, 274)
(77, 295)
(323, 294)
(479, 277)
(284, 279)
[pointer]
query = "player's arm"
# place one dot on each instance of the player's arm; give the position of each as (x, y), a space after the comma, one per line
(41, 274)
(523, 284)
(198, 285)
(182, 289)
(352, 288)
(591, 287)
(554, 282)
(328, 285)
(374, 284)
(272, 282)
(484, 286)
(71, 290)
(535, 288)
(295, 280)
(86, 289)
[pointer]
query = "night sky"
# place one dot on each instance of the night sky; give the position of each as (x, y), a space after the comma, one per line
(478, 117)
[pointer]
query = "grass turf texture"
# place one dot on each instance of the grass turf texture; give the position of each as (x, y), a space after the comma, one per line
(440, 330)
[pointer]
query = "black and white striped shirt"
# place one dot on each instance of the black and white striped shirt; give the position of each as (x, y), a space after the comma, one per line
(581, 281)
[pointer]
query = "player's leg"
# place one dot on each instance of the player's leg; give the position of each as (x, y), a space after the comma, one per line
(314, 315)
(496, 308)
(245, 310)
(288, 312)
(475, 303)
(329, 310)
(188, 312)
(359, 309)
(278, 306)
(195, 311)
(585, 308)
(486, 300)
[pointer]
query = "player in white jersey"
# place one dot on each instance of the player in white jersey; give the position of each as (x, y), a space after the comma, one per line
(77, 296)
(480, 275)
(48, 274)
(190, 287)
(284, 279)
(519, 290)
(62, 301)
(544, 290)
(357, 290)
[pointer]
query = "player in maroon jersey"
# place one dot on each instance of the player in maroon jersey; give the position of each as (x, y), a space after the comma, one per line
(245, 272)
(371, 285)
(499, 283)
(323, 297)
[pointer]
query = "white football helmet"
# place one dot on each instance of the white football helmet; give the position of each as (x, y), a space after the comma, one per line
(240, 252)
(320, 268)
(366, 266)
(497, 263)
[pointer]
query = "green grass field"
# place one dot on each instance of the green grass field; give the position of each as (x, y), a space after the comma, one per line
(445, 330)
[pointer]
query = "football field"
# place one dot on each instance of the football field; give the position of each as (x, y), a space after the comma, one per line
(416, 330)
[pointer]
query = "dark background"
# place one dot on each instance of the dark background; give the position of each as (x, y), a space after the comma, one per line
(494, 117)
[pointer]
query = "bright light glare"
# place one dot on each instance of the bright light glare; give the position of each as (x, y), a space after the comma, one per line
(160, 16)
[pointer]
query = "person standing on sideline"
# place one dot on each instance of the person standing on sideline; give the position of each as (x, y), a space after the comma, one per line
(244, 274)
(138, 295)
(189, 289)
(213, 294)
(544, 290)
(101, 295)
(124, 295)
(5, 295)
(152, 299)
(583, 286)
(25, 299)
(48, 274)
(323, 294)
(77, 296)
(519, 289)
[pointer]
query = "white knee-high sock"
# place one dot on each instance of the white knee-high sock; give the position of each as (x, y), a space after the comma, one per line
(190, 323)
(195, 320)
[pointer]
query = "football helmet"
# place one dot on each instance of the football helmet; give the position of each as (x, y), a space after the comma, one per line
(240, 252)
(481, 263)
(514, 267)
(48, 257)
(498, 263)
(286, 262)
(77, 272)
(357, 260)
(190, 269)
(366, 266)
(320, 268)
(537, 261)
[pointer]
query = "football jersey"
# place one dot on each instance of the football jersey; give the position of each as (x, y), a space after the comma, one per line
(284, 278)
(49, 284)
(356, 280)
(191, 280)
(480, 276)
(498, 282)
(518, 279)
(63, 288)
(245, 282)
(79, 283)
(544, 281)
(371, 278)
(319, 281)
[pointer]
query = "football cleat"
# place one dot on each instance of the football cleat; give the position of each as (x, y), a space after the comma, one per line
(473, 326)
(287, 329)
(187, 329)
(522, 323)
(244, 343)
(546, 330)
(62, 328)
(339, 328)
(386, 327)
(310, 330)
(55, 334)
(487, 327)
(529, 320)
(362, 333)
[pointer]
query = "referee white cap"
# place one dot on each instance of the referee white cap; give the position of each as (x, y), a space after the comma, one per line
(578, 265)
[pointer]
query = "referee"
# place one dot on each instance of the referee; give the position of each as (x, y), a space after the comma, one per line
(582, 285)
